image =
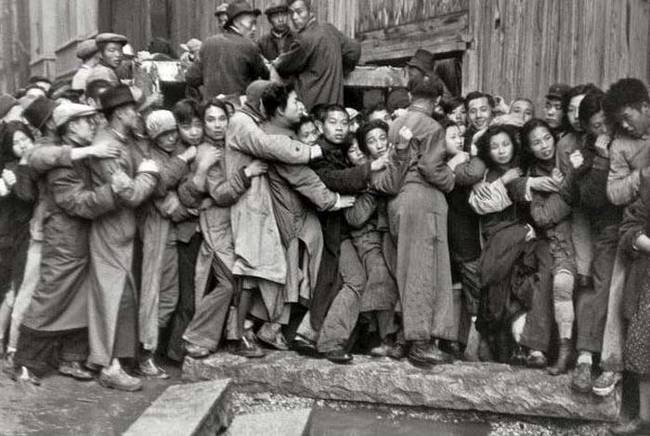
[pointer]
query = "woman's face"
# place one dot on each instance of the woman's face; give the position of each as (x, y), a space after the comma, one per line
(453, 140)
(458, 115)
(501, 149)
(598, 125)
(191, 133)
(572, 112)
(377, 142)
(355, 155)
(542, 143)
(168, 141)
(523, 109)
(216, 122)
(22, 144)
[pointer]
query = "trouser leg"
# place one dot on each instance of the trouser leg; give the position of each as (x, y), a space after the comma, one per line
(613, 336)
(26, 290)
(168, 298)
(74, 346)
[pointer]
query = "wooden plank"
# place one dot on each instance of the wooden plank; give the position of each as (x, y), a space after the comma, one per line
(381, 14)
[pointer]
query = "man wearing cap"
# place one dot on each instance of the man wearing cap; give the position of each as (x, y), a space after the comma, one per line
(555, 108)
(320, 56)
(112, 302)
(88, 53)
(230, 61)
(55, 324)
(280, 38)
(222, 15)
(110, 47)
(422, 67)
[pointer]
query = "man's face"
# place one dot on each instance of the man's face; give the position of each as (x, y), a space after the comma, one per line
(300, 14)
(168, 141)
(416, 76)
(479, 113)
(247, 25)
(294, 109)
(308, 133)
(280, 21)
(222, 19)
(635, 121)
(112, 54)
(83, 130)
(191, 133)
(553, 112)
(129, 117)
(336, 127)
(381, 114)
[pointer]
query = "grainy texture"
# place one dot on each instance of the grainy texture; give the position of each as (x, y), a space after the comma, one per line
(485, 387)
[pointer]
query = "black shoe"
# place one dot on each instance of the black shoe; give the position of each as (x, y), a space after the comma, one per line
(338, 356)
(581, 380)
(518, 357)
(249, 348)
(423, 353)
(452, 348)
(75, 370)
(635, 427)
(563, 356)
(304, 347)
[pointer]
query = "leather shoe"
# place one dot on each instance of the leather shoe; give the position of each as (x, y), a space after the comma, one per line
(581, 380)
(249, 348)
(196, 351)
(148, 368)
(272, 339)
(452, 348)
(118, 379)
(397, 351)
(423, 353)
(75, 370)
(304, 347)
(635, 427)
(536, 360)
(338, 356)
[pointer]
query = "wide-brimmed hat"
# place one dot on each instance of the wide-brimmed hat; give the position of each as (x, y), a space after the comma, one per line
(39, 111)
(422, 60)
(86, 49)
(103, 38)
(115, 97)
(558, 91)
(238, 8)
(66, 112)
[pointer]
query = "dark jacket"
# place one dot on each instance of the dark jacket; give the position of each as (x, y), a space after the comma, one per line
(229, 63)
(319, 57)
(272, 45)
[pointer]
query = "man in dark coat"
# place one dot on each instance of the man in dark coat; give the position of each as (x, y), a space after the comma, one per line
(56, 322)
(319, 57)
(280, 38)
(230, 61)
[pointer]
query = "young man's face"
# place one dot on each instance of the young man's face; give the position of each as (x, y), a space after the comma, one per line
(479, 113)
(112, 54)
(83, 129)
(635, 121)
(523, 109)
(381, 114)
(553, 112)
(191, 133)
(300, 14)
(216, 121)
(294, 109)
(356, 156)
(336, 127)
(168, 141)
(572, 112)
(247, 25)
(280, 21)
(308, 133)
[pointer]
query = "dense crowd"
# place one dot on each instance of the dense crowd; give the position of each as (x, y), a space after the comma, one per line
(260, 214)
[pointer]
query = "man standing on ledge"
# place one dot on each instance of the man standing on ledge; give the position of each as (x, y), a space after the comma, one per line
(280, 38)
(319, 57)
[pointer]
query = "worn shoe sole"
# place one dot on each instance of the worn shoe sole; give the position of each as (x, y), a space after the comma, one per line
(604, 392)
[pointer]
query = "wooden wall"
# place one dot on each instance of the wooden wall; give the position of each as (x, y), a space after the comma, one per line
(14, 44)
(520, 47)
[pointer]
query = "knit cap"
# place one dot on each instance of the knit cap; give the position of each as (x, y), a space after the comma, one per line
(159, 122)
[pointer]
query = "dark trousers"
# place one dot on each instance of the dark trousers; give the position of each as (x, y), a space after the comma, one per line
(39, 351)
(539, 318)
(187, 255)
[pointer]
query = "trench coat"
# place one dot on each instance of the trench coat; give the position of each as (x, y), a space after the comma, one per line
(418, 224)
(320, 56)
(112, 238)
(69, 203)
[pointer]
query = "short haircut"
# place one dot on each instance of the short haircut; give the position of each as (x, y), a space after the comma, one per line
(377, 107)
(216, 103)
(527, 157)
(580, 90)
(427, 89)
(333, 108)
(187, 109)
(526, 99)
(475, 95)
(96, 88)
(318, 111)
(483, 143)
(590, 106)
(275, 96)
(365, 129)
(626, 92)
(449, 105)
(305, 119)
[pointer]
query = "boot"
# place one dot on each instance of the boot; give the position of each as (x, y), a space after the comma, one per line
(564, 354)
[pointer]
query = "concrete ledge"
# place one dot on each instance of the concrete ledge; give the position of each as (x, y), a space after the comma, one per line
(462, 386)
(284, 423)
(189, 409)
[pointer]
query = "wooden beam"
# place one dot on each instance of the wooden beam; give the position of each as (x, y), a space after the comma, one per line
(377, 77)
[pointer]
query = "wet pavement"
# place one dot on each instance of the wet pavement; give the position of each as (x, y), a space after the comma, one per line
(63, 406)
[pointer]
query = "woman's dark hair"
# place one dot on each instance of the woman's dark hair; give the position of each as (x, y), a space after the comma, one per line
(483, 143)
(216, 103)
(527, 157)
(275, 96)
(365, 129)
(445, 123)
(590, 106)
(187, 109)
(449, 105)
(7, 141)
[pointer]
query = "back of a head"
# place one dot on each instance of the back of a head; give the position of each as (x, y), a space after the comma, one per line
(590, 106)
(427, 90)
(628, 92)
(275, 96)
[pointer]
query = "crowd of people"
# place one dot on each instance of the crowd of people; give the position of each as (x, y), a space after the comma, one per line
(262, 213)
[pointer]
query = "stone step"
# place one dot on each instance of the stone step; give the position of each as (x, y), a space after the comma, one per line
(486, 387)
(283, 423)
(189, 409)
